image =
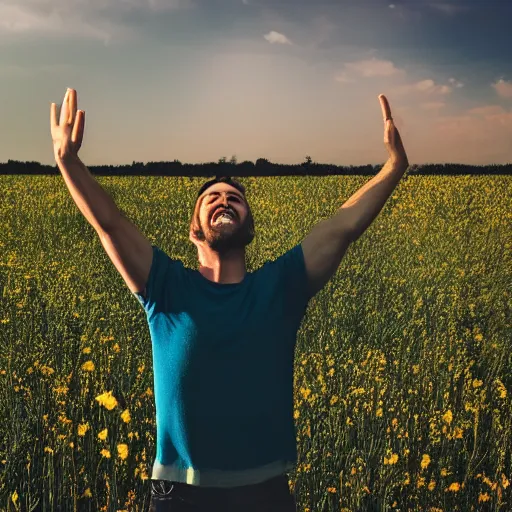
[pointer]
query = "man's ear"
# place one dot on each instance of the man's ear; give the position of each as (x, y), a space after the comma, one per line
(193, 238)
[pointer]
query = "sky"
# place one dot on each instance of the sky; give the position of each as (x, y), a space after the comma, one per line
(198, 80)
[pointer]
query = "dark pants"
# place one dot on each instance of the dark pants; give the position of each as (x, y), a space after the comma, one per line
(273, 495)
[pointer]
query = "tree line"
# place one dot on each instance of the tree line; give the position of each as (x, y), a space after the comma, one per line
(262, 167)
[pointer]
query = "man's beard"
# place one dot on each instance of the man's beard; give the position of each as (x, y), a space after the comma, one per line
(228, 237)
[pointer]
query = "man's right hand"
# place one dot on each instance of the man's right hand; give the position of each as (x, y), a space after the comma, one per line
(67, 134)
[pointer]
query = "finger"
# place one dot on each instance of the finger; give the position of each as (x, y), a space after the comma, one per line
(64, 109)
(53, 116)
(386, 110)
(72, 102)
(78, 129)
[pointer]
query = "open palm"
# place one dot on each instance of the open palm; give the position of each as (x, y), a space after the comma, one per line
(392, 139)
(68, 133)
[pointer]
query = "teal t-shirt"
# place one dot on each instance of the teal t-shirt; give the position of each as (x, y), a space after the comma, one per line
(223, 358)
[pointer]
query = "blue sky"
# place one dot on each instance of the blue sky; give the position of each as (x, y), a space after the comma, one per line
(196, 80)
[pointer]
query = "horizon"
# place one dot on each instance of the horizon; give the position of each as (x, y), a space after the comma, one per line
(298, 164)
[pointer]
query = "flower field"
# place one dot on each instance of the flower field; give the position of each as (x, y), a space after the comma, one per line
(403, 368)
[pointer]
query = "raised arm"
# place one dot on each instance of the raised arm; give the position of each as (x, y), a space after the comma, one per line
(130, 251)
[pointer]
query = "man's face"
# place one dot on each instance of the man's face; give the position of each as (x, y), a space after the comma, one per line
(223, 235)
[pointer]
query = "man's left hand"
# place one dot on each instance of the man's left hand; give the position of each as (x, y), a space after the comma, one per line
(392, 139)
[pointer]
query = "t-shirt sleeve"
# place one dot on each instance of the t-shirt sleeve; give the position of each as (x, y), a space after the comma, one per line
(161, 279)
(294, 279)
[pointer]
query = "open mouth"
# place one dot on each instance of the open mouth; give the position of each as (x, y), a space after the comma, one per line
(223, 217)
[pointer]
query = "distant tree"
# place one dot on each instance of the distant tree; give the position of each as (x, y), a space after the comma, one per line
(233, 160)
(308, 160)
(222, 160)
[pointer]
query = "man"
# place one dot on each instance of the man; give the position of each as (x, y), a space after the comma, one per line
(223, 339)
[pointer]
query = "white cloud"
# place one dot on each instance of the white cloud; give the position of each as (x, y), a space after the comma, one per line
(448, 8)
(427, 87)
(490, 125)
(343, 78)
(504, 89)
(374, 67)
(95, 19)
(19, 19)
(322, 29)
(276, 37)
(490, 110)
(456, 83)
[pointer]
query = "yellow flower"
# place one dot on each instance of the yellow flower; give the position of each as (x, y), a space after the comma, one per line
(122, 450)
(125, 416)
(63, 419)
(478, 337)
(477, 383)
(46, 370)
(83, 428)
(105, 453)
(393, 459)
(483, 497)
(504, 481)
(87, 493)
(421, 482)
(501, 389)
(447, 417)
(431, 485)
(379, 412)
(103, 434)
(425, 461)
(444, 472)
(107, 400)
(415, 369)
(305, 392)
(455, 487)
(88, 366)
(457, 433)
(86, 350)
(48, 449)
(14, 497)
